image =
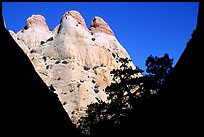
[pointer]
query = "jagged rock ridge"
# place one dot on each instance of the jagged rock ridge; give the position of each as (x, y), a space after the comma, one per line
(73, 60)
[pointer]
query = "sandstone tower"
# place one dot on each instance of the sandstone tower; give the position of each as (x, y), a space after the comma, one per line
(73, 60)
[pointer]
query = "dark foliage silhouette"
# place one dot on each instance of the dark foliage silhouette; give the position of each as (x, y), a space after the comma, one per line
(175, 111)
(128, 90)
(177, 108)
(158, 69)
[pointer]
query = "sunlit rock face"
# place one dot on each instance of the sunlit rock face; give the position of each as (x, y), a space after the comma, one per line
(100, 26)
(35, 31)
(73, 60)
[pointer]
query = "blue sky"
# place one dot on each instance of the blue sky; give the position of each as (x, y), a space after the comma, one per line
(143, 28)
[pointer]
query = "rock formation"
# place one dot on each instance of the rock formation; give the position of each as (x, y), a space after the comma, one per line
(73, 60)
(177, 108)
(28, 107)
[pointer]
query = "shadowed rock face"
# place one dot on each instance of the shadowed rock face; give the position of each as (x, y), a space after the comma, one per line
(28, 107)
(178, 107)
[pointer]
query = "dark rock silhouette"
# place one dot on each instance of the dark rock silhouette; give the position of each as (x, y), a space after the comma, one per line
(181, 98)
(28, 107)
(177, 109)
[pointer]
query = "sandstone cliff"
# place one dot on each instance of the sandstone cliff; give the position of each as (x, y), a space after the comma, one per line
(73, 60)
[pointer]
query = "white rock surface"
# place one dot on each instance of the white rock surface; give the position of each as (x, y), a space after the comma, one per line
(74, 60)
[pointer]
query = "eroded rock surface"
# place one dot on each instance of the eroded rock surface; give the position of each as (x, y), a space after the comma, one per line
(73, 60)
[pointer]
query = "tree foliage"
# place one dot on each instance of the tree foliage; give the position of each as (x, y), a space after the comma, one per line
(129, 87)
(159, 68)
